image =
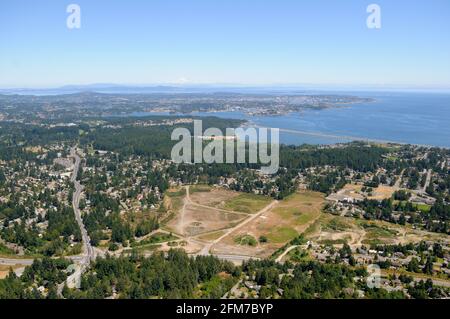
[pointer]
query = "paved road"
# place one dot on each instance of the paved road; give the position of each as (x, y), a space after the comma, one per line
(427, 182)
(237, 259)
(29, 261)
(13, 262)
(88, 251)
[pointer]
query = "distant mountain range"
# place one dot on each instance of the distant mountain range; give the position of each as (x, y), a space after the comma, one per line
(125, 89)
(99, 88)
(110, 88)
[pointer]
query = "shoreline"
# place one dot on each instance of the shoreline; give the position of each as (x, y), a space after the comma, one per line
(249, 123)
(349, 138)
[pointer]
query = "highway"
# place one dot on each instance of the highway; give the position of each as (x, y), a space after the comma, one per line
(88, 254)
(15, 261)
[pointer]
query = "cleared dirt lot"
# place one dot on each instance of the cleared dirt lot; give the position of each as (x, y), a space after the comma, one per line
(354, 191)
(382, 192)
(4, 270)
(198, 220)
(216, 197)
(191, 217)
(227, 200)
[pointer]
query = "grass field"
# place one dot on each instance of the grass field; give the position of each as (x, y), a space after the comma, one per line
(176, 192)
(157, 238)
(377, 231)
(424, 208)
(293, 216)
(199, 188)
(211, 236)
(284, 222)
(5, 251)
(332, 242)
(172, 203)
(300, 208)
(176, 198)
(336, 224)
(312, 229)
(247, 203)
(144, 248)
(282, 234)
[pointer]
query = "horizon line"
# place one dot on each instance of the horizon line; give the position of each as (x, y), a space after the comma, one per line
(309, 86)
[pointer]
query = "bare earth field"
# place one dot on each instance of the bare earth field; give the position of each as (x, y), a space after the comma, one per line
(202, 211)
(382, 192)
(4, 270)
(215, 198)
(198, 220)
(354, 191)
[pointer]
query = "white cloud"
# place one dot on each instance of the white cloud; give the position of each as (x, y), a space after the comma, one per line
(182, 80)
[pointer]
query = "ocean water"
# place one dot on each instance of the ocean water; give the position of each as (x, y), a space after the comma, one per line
(413, 118)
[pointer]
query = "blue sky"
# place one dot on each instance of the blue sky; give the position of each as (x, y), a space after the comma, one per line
(262, 42)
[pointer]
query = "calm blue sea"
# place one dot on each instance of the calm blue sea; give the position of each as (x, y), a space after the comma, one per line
(416, 118)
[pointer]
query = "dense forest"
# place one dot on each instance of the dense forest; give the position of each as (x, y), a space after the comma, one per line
(172, 276)
(175, 275)
(356, 156)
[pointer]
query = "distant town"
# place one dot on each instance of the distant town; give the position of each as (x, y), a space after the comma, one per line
(35, 108)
